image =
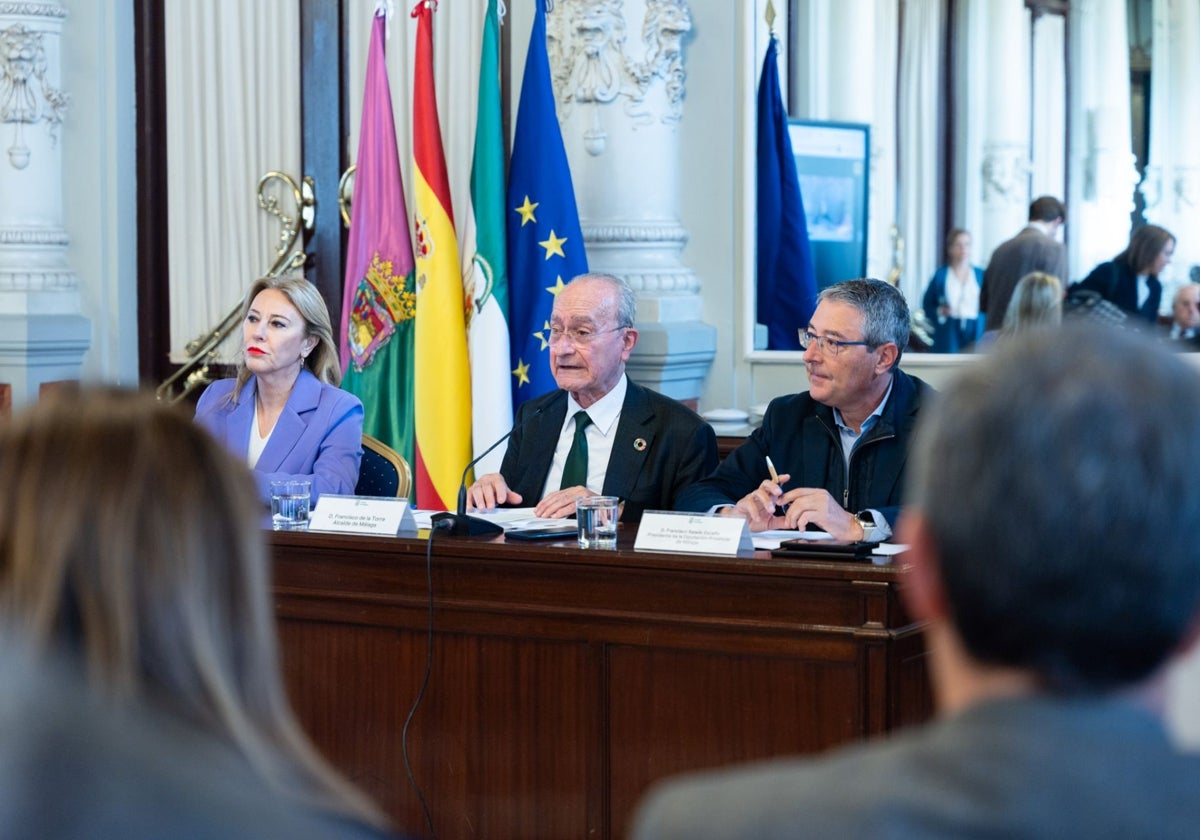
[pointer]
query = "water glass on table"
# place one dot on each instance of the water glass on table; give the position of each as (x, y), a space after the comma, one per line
(597, 519)
(290, 502)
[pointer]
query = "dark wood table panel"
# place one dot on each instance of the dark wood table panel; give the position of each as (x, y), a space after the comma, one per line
(564, 681)
(746, 707)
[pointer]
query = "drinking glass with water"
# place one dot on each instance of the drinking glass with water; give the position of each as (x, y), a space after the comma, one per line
(290, 503)
(597, 518)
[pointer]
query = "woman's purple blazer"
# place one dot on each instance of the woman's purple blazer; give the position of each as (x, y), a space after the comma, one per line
(318, 436)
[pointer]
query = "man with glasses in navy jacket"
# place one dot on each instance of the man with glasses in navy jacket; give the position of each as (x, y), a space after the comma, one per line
(832, 457)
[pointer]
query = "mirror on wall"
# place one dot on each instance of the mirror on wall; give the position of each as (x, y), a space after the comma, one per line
(966, 132)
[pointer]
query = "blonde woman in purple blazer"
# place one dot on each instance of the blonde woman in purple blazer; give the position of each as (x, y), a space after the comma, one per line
(284, 413)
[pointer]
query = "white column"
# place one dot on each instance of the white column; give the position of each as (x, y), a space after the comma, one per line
(1049, 111)
(999, 51)
(1104, 169)
(1172, 183)
(43, 336)
(621, 85)
(863, 91)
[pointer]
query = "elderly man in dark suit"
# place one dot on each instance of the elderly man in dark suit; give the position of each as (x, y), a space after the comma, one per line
(1033, 249)
(600, 433)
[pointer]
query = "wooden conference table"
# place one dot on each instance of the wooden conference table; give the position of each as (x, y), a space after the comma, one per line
(564, 681)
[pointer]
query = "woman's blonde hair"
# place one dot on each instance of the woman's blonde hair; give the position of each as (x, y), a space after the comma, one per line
(323, 360)
(131, 541)
(1036, 302)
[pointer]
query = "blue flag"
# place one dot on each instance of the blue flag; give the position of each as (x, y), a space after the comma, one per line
(787, 281)
(545, 243)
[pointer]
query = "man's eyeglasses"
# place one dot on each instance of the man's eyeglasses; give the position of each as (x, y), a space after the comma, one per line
(828, 346)
(579, 337)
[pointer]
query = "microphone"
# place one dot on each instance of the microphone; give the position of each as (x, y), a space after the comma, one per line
(460, 524)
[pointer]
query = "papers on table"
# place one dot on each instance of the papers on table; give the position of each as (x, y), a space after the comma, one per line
(510, 519)
(771, 539)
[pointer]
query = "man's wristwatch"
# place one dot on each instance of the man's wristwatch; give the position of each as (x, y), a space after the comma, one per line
(867, 522)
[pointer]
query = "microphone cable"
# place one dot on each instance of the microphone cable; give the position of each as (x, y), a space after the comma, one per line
(444, 525)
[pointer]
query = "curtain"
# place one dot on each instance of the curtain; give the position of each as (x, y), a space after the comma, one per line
(917, 118)
(233, 97)
(233, 113)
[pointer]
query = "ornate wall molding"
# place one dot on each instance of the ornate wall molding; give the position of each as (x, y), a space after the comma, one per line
(665, 232)
(26, 96)
(33, 236)
(665, 280)
(38, 281)
(591, 65)
(32, 10)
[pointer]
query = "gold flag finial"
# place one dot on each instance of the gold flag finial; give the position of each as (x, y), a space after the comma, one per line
(770, 16)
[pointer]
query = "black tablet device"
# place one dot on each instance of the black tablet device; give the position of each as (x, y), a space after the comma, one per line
(550, 532)
(826, 549)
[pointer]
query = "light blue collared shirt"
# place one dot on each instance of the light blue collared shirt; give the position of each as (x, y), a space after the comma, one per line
(850, 439)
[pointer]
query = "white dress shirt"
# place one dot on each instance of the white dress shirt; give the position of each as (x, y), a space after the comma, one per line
(604, 413)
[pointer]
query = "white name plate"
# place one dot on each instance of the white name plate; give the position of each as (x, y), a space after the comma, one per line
(362, 515)
(695, 533)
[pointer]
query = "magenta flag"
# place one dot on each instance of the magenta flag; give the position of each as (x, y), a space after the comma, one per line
(378, 300)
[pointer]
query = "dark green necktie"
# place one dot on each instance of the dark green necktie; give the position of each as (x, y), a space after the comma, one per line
(575, 470)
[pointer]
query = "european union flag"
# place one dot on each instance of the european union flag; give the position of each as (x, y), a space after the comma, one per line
(787, 281)
(545, 243)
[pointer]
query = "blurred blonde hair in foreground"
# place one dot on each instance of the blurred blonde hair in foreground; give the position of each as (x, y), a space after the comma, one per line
(130, 541)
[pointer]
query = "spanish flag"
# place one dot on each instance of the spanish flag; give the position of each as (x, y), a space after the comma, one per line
(443, 380)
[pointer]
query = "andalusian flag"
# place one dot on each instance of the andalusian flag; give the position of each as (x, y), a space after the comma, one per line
(443, 379)
(545, 243)
(483, 236)
(378, 300)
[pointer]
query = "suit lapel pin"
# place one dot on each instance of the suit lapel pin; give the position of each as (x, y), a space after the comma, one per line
(640, 444)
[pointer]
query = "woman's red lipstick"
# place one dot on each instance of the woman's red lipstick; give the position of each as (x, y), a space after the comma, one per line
(256, 351)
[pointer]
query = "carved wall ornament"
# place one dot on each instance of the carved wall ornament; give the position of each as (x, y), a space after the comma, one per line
(587, 41)
(1005, 174)
(1186, 183)
(26, 97)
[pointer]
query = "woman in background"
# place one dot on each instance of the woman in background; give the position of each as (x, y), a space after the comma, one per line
(1036, 303)
(1130, 279)
(129, 544)
(284, 413)
(951, 301)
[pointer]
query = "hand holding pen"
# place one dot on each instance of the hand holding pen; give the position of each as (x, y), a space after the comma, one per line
(805, 506)
(758, 506)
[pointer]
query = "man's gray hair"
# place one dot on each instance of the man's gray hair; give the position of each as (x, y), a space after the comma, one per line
(626, 296)
(1186, 287)
(1057, 478)
(885, 312)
